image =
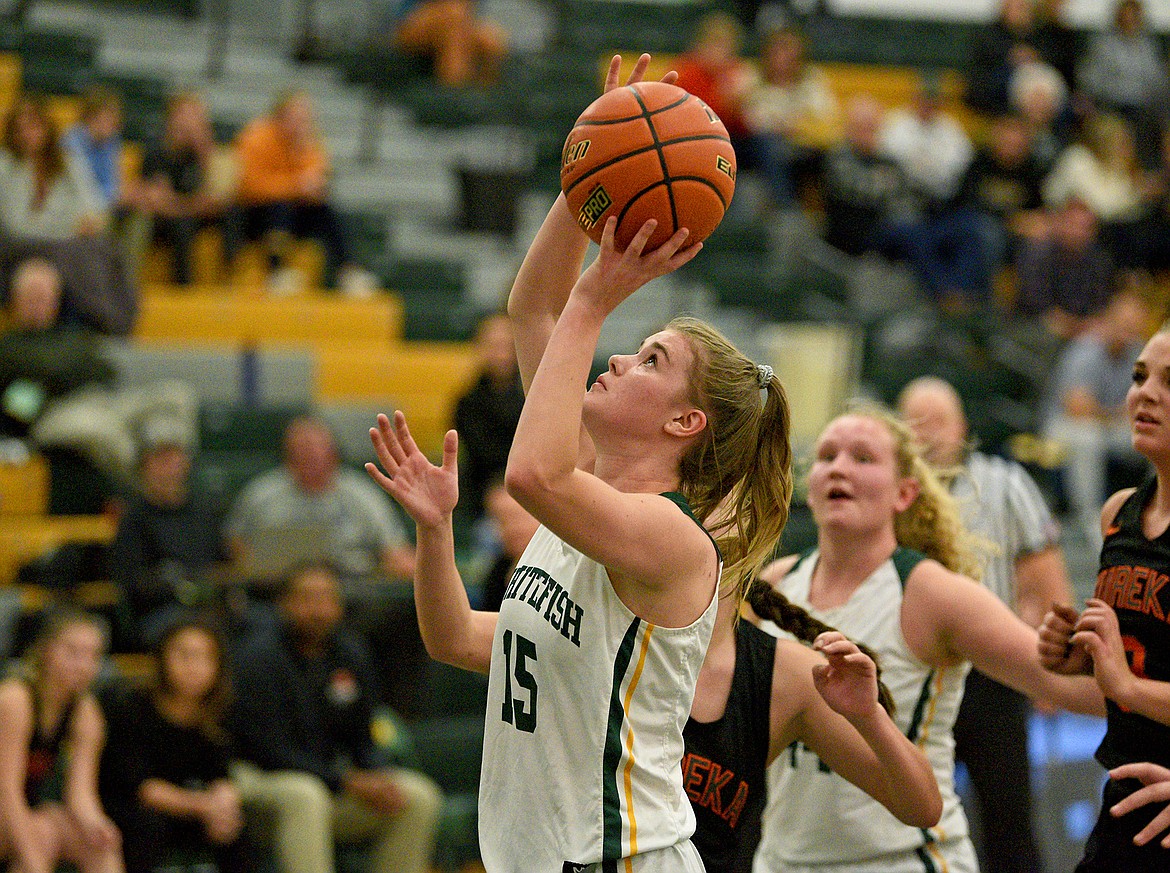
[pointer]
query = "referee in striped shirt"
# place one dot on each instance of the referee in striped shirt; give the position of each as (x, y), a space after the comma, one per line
(1026, 570)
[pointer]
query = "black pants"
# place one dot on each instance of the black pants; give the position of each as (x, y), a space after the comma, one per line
(179, 234)
(150, 838)
(991, 738)
(303, 220)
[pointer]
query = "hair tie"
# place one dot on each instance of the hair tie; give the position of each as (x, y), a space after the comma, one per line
(765, 374)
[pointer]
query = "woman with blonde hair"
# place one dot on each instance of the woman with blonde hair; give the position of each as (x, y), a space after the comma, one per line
(1102, 171)
(51, 738)
(594, 654)
(892, 569)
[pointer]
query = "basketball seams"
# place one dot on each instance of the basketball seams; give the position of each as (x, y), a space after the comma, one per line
(641, 151)
(657, 145)
(663, 162)
(598, 122)
(633, 201)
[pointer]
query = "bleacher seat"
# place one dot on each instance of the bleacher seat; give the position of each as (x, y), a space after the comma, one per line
(425, 379)
(24, 538)
(24, 487)
(212, 315)
(232, 427)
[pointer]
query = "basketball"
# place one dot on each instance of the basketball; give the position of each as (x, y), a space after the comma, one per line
(648, 150)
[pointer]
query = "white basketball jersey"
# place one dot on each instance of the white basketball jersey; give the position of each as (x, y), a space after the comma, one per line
(814, 816)
(586, 705)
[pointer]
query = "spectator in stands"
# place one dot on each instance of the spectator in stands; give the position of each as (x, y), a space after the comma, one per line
(1125, 73)
(1102, 171)
(1058, 43)
(1154, 241)
(513, 528)
(283, 194)
(934, 152)
(50, 205)
(164, 556)
(165, 769)
(467, 48)
(486, 415)
(714, 70)
(997, 51)
(45, 192)
(1039, 95)
(1003, 186)
(864, 190)
(95, 142)
(60, 391)
(188, 180)
(51, 737)
(42, 359)
(1066, 279)
(305, 698)
(312, 508)
(1085, 405)
(791, 112)
(310, 495)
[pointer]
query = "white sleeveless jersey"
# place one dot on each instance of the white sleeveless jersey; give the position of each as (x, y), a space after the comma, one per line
(583, 744)
(813, 816)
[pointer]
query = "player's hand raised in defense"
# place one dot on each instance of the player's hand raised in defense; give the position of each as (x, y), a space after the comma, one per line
(848, 682)
(427, 493)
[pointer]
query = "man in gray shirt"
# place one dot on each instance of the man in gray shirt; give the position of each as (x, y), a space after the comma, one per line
(312, 507)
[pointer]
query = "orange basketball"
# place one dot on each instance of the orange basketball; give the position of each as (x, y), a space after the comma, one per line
(648, 150)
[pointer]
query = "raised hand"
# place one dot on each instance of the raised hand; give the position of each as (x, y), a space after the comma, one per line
(636, 74)
(1058, 652)
(1156, 782)
(848, 682)
(615, 275)
(427, 493)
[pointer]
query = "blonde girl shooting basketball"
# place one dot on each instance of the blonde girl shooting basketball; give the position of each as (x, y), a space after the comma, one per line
(594, 654)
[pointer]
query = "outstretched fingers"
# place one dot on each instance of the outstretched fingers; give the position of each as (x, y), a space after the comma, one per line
(405, 440)
(613, 72)
(386, 445)
(639, 71)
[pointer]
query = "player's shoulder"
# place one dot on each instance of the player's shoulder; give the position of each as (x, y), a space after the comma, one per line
(1113, 506)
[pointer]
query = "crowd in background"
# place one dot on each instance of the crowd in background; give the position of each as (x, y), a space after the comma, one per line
(1051, 211)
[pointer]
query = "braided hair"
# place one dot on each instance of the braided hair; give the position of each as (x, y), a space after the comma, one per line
(770, 604)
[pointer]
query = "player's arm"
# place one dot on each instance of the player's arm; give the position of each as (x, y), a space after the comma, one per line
(863, 745)
(948, 618)
(451, 630)
(1041, 580)
(550, 269)
(1098, 632)
(642, 538)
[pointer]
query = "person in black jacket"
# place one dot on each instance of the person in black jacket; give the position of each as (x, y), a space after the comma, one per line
(486, 415)
(302, 724)
(168, 541)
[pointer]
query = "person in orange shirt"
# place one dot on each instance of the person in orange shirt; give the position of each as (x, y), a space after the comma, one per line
(283, 187)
